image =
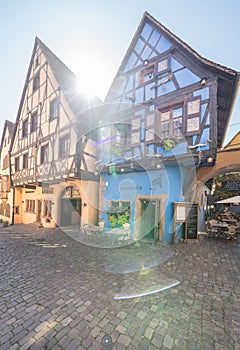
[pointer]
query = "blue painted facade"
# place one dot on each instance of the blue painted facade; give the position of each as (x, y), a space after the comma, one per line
(161, 123)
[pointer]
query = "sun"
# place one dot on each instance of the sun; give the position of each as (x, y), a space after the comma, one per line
(93, 74)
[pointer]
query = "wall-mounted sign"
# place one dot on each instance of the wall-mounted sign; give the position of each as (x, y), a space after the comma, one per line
(231, 186)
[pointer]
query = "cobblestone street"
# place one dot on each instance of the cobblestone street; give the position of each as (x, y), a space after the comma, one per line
(57, 293)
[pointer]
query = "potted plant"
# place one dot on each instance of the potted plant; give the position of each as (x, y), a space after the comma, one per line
(168, 143)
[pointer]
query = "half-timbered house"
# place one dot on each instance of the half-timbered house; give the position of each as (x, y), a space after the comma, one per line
(50, 173)
(6, 192)
(168, 110)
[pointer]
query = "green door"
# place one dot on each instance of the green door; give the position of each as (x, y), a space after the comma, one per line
(150, 219)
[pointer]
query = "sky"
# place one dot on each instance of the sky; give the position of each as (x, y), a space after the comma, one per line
(91, 37)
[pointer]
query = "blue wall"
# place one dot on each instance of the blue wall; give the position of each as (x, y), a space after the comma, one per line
(126, 186)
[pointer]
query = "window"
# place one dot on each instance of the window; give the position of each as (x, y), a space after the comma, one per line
(36, 62)
(170, 122)
(136, 130)
(47, 210)
(34, 122)
(25, 161)
(64, 146)
(44, 154)
(17, 164)
(122, 134)
(193, 116)
(5, 162)
(30, 205)
(54, 109)
(24, 128)
(118, 208)
(36, 82)
(147, 74)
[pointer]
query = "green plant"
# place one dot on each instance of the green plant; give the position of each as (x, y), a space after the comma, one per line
(113, 221)
(123, 219)
(168, 144)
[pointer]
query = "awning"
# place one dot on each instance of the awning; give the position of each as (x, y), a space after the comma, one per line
(235, 199)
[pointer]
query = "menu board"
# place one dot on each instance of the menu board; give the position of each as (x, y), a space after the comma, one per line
(192, 222)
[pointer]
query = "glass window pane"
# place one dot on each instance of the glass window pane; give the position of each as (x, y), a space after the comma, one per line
(165, 116)
(177, 112)
(149, 134)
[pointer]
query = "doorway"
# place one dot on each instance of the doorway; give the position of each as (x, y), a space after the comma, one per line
(150, 219)
(39, 210)
(71, 212)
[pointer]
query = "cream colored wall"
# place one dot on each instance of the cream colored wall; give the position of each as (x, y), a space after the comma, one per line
(18, 203)
(89, 200)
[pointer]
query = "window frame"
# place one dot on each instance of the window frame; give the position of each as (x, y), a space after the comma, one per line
(47, 208)
(54, 109)
(17, 163)
(30, 206)
(44, 153)
(24, 128)
(25, 161)
(36, 82)
(64, 148)
(170, 108)
(190, 117)
(34, 120)
(149, 69)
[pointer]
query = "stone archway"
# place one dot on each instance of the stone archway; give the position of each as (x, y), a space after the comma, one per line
(227, 161)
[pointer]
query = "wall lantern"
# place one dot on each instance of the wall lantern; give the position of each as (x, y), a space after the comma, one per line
(145, 62)
(209, 160)
(203, 81)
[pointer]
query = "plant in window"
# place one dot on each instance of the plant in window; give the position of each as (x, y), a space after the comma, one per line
(113, 221)
(123, 219)
(169, 143)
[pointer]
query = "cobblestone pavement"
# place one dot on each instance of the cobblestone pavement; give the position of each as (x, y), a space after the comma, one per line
(57, 294)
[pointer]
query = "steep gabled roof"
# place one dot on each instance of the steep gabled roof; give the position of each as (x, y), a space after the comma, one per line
(10, 126)
(68, 81)
(228, 78)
